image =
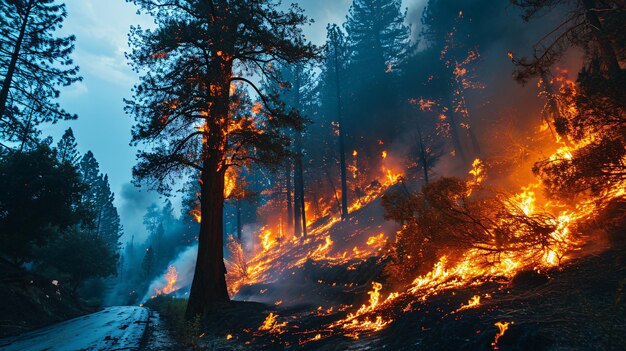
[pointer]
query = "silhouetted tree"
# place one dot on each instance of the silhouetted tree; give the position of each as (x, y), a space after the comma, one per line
(37, 193)
(34, 62)
(333, 81)
(596, 26)
(377, 40)
(80, 255)
(67, 149)
(99, 199)
(183, 106)
(147, 264)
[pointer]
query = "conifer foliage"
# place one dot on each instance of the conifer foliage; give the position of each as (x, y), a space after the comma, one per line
(191, 65)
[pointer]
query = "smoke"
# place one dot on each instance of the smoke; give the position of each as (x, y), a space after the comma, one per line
(184, 264)
(134, 202)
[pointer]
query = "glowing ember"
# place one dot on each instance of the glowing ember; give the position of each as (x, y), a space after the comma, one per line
(473, 302)
(271, 325)
(502, 328)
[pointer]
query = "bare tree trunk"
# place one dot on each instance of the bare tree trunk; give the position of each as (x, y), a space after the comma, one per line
(422, 151)
(289, 193)
(8, 79)
(302, 217)
(239, 226)
(297, 224)
(342, 149)
(454, 131)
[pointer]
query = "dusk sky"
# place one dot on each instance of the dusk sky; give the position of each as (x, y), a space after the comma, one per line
(101, 28)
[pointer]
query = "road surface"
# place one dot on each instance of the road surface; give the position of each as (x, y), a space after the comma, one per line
(114, 328)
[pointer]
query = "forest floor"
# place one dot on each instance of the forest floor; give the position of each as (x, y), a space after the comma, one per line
(577, 307)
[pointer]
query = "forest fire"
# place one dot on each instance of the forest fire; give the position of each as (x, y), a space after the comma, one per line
(171, 277)
(271, 325)
(424, 175)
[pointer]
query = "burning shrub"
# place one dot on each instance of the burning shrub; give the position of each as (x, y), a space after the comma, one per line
(237, 265)
(596, 119)
(450, 216)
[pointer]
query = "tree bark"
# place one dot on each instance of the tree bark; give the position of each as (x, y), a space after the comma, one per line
(289, 193)
(239, 226)
(301, 205)
(208, 288)
(6, 84)
(342, 149)
(423, 158)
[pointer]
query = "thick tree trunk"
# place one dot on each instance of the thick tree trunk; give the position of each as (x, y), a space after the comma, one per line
(8, 79)
(208, 288)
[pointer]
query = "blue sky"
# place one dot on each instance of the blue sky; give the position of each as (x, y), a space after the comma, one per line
(101, 28)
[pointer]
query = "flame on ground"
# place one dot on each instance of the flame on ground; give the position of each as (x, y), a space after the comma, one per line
(502, 328)
(171, 276)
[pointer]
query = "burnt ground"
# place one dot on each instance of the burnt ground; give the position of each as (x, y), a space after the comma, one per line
(29, 301)
(577, 307)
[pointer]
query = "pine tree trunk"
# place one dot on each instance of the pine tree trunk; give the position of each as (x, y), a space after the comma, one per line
(8, 79)
(239, 226)
(422, 152)
(289, 193)
(208, 288)
(301, 205)
(456, 138)
(297, 210)
(342, 149)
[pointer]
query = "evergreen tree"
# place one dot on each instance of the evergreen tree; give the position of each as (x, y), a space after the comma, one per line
(295, 89)
(34, 62)
(332, 95)
(167, 215)
(147, 264)
(37, 193)
(90, 173)
(109, 227)
(377, 36)
(67, 149)
(183, 107)
(80, 255)
(377, 39)
(99, 199)
(152, 219)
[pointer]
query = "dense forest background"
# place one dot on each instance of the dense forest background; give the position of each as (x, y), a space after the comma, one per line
(421, 95)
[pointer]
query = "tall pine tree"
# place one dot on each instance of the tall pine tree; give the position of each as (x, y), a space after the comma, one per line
(377, 39)
(34, 62)
(184, 103)
(66, 150)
